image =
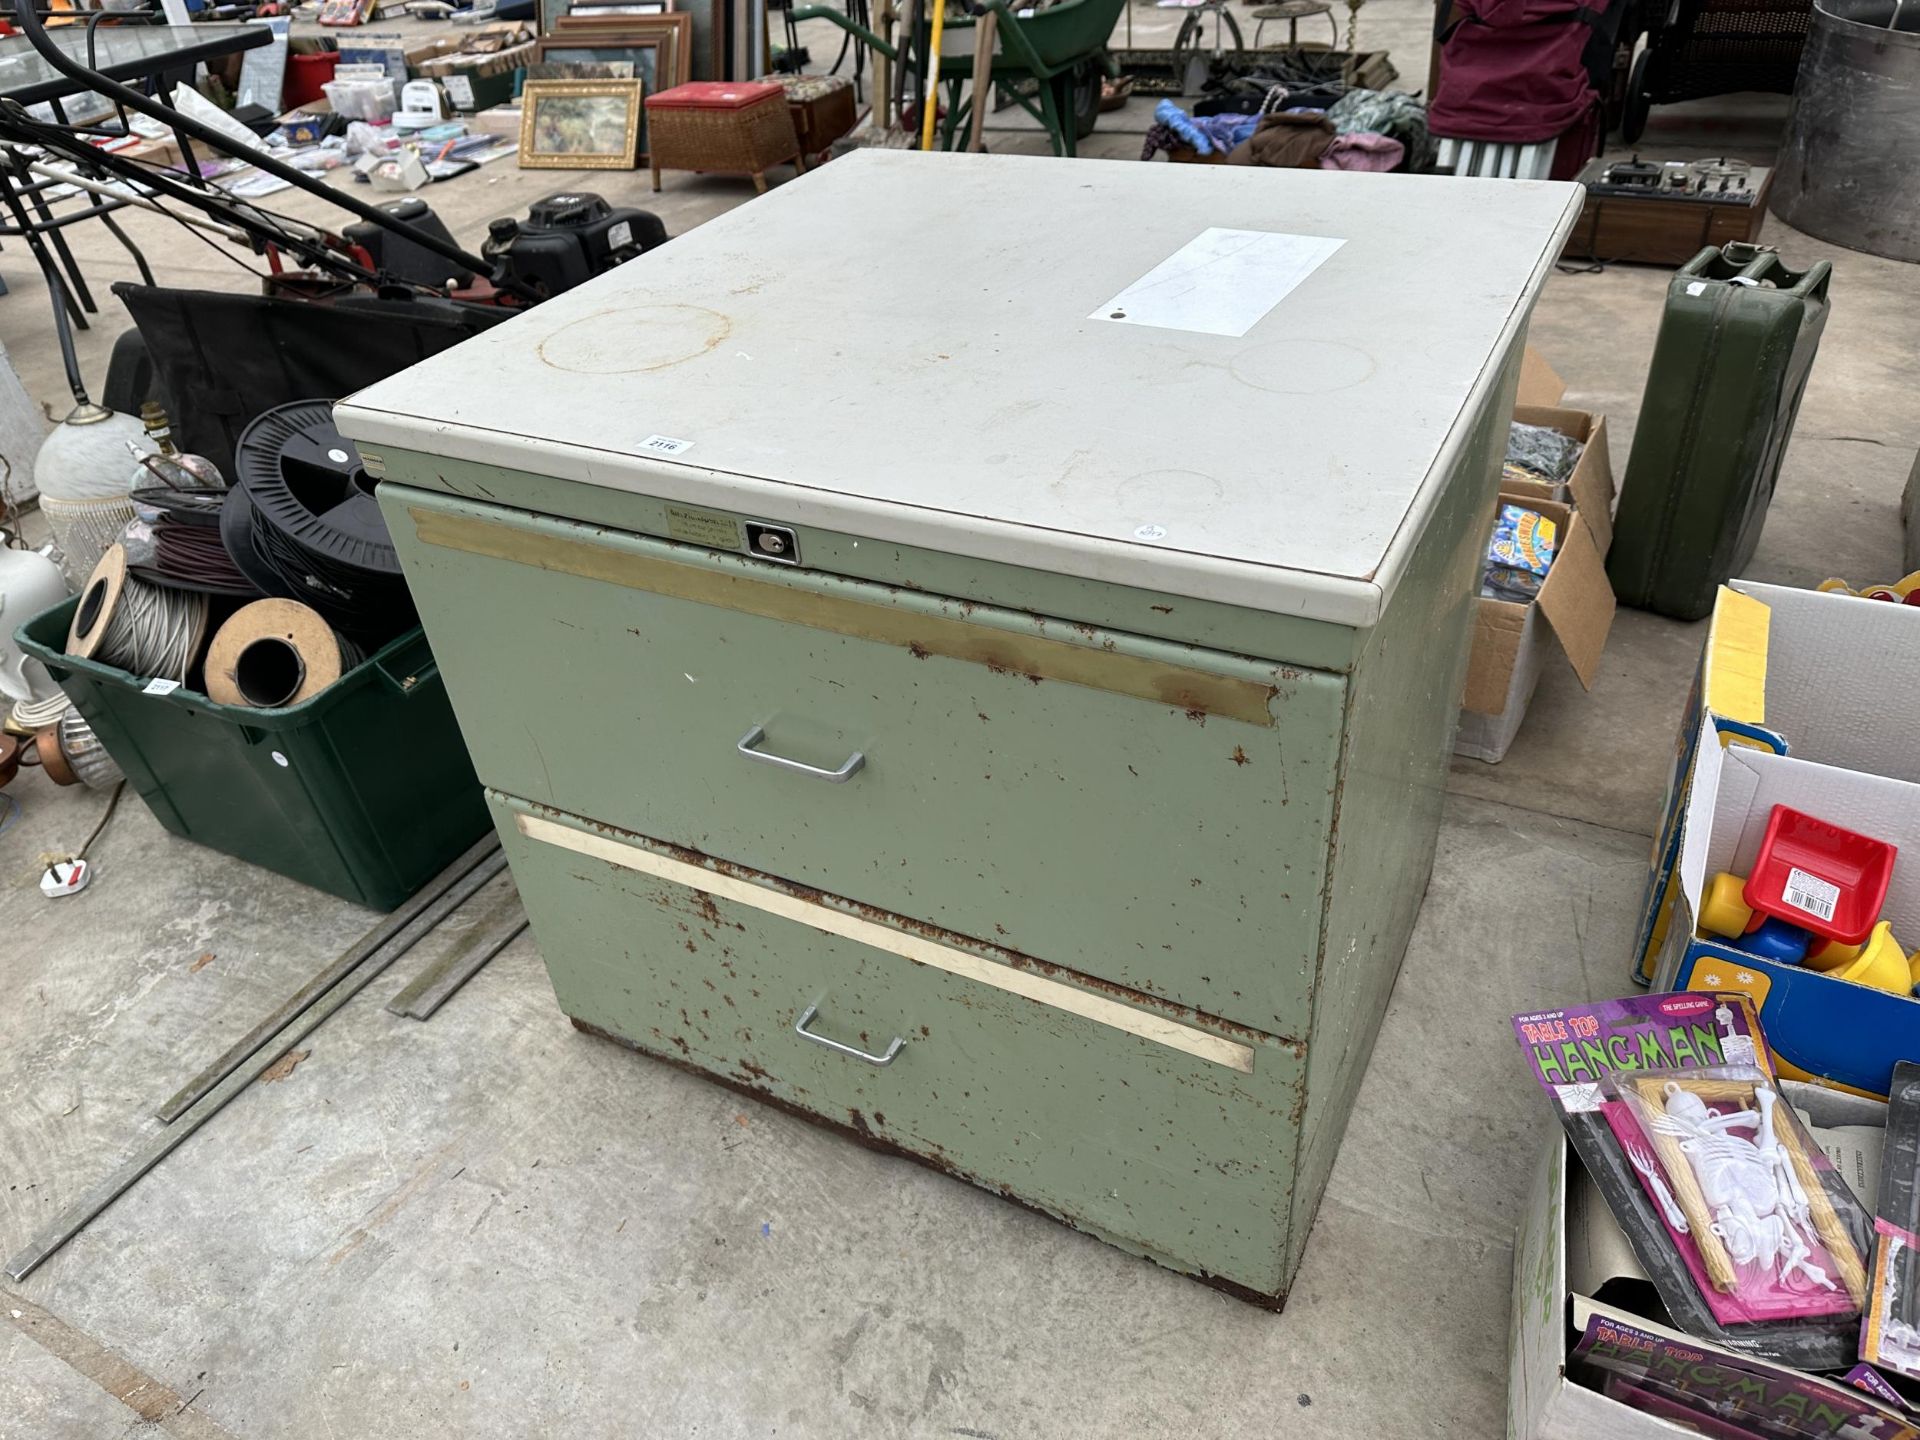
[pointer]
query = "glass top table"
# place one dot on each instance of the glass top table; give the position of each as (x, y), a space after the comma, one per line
(121, 52)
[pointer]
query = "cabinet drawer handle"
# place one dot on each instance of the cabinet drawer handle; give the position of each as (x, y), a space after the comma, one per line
(833, 777)
(806, 1019)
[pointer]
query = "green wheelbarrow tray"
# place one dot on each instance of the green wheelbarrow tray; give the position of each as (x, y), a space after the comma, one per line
(1058, 47)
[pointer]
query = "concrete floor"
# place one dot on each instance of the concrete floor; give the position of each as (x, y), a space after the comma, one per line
(492, 1226)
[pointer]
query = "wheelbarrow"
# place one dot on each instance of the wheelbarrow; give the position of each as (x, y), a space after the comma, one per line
(1062, 49)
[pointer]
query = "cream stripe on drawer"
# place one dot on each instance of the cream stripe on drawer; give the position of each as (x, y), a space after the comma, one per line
(1098, 1008)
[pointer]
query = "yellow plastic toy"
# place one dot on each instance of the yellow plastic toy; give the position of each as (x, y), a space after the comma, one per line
(1881, 963)
(1724, 909)
(1902, 591)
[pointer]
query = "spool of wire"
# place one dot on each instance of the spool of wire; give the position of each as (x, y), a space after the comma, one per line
(140, 628)
(179, 540)
(193, 557)
(301, 522)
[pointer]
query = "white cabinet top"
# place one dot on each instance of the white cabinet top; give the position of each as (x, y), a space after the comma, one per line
(1232, 383)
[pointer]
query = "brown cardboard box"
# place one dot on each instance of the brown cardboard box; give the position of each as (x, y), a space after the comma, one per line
(1575, 603)
(1590, 487)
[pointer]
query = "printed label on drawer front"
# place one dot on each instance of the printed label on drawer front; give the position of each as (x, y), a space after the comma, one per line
(1148, 1026)
(703, 527)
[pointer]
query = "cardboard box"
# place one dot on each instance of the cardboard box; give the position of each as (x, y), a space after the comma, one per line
(1569, 1252)
(1590, 486)
(474, 81)
(302, 128)
(1818, 1026)
(1798, 672)
(1510, 640)
(501, 120)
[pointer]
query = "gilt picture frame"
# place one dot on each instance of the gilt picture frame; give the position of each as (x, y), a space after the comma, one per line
(581, 124)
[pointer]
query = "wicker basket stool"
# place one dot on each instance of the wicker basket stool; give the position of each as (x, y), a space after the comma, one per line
(722, 127)
(822, 106)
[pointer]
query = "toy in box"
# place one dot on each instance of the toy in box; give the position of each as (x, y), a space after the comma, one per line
(1795, 672)
(1792, 883)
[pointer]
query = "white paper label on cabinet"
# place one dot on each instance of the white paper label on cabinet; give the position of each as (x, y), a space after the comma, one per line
(160, 687)
(1221, 282)
(664, 445)
(459, 90)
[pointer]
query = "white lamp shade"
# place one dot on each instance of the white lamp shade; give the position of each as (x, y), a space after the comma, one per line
(29, 584)
(86, 458)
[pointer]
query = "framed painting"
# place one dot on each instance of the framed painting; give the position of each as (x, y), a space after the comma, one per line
(580, 124)
(583, 70)
(549, 13)
(670, 36)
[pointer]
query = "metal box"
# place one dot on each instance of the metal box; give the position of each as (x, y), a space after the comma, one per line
(966, 648)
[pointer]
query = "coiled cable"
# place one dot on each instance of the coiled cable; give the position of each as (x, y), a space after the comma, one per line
(154, 631)
(38, 714)
(136, 627)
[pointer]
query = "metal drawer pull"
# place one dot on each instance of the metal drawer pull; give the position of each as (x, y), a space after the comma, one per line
(833, 777)
(806, 1019)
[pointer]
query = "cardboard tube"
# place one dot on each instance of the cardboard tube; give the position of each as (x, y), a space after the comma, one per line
(99, 598)
(271, 654)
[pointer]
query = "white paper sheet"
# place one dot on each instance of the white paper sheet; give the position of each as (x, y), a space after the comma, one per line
(1222, 282)
(1855, 1152)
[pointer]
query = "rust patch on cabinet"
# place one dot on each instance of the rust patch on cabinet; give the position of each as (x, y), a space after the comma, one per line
(932, 1156)
(1004, 651)
(952, 939)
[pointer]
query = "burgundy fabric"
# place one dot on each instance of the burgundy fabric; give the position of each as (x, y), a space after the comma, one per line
(1578, 145)
(1512, 71)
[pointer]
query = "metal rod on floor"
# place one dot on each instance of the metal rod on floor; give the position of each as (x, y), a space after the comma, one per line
(77, 1216)
(436, 985)
(428, 907)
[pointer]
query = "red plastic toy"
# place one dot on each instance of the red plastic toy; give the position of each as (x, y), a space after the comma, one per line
(1827, 880)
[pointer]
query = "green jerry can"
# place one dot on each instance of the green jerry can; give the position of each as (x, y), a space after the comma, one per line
(1736, 343)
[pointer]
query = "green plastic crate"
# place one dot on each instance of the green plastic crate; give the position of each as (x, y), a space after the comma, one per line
(364, 791)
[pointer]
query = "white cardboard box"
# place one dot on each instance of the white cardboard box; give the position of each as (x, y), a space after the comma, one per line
(1568, 1249)
(1818, 1026)
(1799, 672)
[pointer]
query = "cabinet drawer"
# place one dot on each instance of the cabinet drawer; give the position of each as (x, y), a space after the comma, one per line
(1167, 1133)
(1152, 814)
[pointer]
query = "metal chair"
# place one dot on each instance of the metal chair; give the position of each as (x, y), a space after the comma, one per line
(1293, 12)
(1495, 160)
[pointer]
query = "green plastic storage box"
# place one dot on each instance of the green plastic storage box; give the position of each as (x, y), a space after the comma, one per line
(1736, 343)
(364, 791)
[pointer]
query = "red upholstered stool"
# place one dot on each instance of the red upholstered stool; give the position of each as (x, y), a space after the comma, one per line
(722, 127)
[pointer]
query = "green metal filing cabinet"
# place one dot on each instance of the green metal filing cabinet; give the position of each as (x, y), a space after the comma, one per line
(966, 648)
